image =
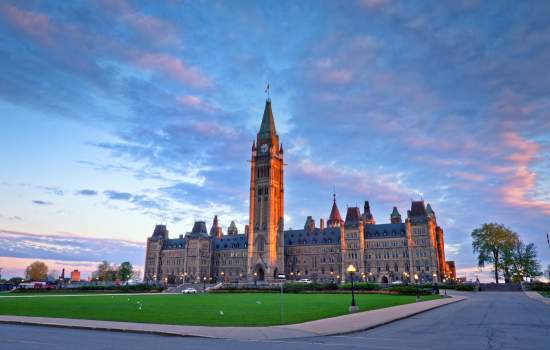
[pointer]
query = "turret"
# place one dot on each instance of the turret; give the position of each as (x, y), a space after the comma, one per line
(309, 225)
(367, 215)
(335, 219)
(395, 217)
(216, 230)
(232, 229)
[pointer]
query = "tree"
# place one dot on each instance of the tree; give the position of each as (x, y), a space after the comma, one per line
(525, 263)
(489, 241)
(125, 271)
(37, 271)
(105, 272)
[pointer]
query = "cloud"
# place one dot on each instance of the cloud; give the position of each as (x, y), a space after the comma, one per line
(41, 202)
(115, 195)
(86, 192)
(171, 67)
(67, 249)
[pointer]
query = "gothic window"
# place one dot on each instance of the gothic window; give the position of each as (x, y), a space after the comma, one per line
(396, 269)
(260, 244)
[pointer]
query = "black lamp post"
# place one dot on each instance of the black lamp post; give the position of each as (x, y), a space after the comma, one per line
(204, 283)
(417, 292)
(351, 270)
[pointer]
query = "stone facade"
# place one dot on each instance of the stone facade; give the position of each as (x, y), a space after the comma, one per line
(396, 251)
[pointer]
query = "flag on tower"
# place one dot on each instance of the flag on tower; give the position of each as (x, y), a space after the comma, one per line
(267, 90)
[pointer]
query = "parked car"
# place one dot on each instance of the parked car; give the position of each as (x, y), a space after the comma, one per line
(305, 280)
(189, 291)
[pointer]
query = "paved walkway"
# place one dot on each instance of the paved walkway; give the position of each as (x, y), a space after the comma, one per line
(537, 296)
(329, 326)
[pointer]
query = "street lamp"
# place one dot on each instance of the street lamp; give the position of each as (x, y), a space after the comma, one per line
(204, 283)
(255, 278)
(416, 281)
(351, 270)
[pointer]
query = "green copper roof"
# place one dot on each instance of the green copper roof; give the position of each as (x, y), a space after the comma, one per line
(395, 213)
(429, 209)
(268, 123)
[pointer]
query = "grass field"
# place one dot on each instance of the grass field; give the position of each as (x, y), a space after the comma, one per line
(242, 309)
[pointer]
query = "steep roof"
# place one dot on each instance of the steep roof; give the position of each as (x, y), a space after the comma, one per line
(353, 216)
(418, 209)
(395, 213)
(268, 122)
(234, 241)
(385, 231)
(330, 235)
(430, 210)
(232, 229)
(334, 213)
(160, 232)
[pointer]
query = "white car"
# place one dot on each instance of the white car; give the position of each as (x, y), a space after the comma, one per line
(189, 291)
(305, 280)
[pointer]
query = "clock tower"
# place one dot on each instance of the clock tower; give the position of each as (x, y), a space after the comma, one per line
(265, 238)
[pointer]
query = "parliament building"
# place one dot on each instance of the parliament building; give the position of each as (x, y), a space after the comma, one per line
(388, 252)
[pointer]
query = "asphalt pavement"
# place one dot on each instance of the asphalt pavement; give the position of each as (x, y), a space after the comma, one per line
(485, 321)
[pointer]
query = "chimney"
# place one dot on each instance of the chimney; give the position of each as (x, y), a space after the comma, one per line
(322, 224)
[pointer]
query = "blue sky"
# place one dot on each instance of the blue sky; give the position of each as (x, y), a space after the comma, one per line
(117, 115)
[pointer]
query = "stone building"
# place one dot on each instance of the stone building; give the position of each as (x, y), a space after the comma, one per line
(395, 251)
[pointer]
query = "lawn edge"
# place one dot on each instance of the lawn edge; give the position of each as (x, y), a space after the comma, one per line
(298, 330)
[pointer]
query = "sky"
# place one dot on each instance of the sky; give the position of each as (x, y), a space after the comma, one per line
(119, 115)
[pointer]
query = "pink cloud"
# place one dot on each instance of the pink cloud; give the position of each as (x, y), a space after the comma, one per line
(171, 66)
(33, 24)
(520, 181)
(148, 26)
(212, 129)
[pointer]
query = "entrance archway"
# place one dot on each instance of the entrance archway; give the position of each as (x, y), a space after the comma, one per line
(261, 273)
(384, 279)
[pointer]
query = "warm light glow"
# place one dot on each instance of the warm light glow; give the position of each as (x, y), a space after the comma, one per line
(351, 268)
(415, 276)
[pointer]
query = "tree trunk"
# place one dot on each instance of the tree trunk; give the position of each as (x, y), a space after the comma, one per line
(495, 255)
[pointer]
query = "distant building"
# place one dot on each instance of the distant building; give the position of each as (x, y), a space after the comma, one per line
(395, 251)
(451, 270)
(75, 276)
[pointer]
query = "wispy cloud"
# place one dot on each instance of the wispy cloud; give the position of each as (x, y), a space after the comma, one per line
(86, 192)
(41, 202)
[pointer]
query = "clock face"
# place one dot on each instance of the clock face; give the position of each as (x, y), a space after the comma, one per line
(263, 148)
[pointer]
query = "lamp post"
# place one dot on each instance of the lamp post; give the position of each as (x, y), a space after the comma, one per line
(223, 278)
(255, 278)
(351, 270)
(204, 283)
(416, 281)
(434, 280)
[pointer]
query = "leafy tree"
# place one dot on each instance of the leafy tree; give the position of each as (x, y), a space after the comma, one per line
(525, 263)
(37, 271)
(105, 272)
(490, 241)
(125, 271)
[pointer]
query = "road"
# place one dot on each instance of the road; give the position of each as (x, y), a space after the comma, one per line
(485, 321)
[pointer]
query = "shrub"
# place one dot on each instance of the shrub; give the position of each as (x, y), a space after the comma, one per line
(465, 287)
(360, 286)
(410, 290)
(540, 287)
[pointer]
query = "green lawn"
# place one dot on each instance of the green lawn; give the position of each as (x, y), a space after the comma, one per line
(545, 294)
(242, 309)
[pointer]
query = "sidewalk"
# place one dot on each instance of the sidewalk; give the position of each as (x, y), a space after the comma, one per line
(328, 326)
(537, 296)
